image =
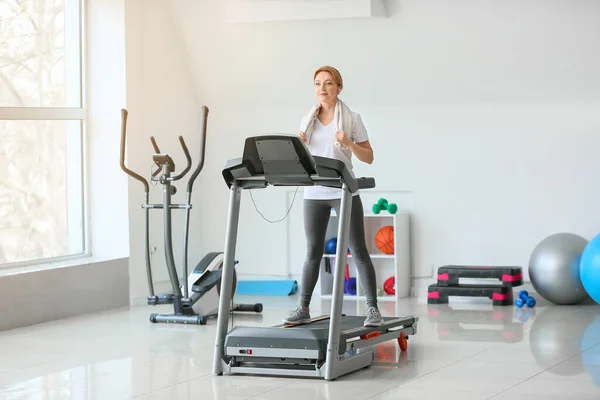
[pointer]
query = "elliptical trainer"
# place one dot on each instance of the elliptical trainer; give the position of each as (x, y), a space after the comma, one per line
(205, 280)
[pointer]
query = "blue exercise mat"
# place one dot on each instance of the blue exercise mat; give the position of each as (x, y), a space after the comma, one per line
(267, 288)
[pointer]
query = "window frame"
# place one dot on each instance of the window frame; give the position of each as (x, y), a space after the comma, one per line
(71, 114)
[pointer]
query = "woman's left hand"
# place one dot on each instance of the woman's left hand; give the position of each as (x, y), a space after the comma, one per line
(342, 138)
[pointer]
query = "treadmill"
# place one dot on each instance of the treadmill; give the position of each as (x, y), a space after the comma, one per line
(332, 345)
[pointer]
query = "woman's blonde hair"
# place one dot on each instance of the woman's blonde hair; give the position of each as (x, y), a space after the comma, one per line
(337, 77)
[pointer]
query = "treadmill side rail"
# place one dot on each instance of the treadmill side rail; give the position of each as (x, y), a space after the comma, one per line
(227, 277)
(334, 339)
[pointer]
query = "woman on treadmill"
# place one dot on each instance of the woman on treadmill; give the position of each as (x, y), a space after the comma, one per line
(323, 132)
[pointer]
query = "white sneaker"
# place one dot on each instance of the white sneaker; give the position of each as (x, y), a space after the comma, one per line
(298, 316)
(374, 317)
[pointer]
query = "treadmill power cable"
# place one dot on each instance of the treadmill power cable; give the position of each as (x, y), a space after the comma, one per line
(279, 220)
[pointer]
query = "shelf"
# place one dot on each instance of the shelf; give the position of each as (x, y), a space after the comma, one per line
(383, 214)
(355, 297)
(389, 256)
(397, 265)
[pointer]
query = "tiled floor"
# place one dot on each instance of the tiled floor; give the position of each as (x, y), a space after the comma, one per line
(463, 351)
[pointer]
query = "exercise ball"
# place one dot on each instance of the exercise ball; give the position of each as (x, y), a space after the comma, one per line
(589, 268)
(554, 268)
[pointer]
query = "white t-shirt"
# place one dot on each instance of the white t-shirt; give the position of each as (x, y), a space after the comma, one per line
(322, 143)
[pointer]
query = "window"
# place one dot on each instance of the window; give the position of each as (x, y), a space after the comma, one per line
(42, 131)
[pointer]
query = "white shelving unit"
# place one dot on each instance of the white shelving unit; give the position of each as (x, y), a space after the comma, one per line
(386, 265)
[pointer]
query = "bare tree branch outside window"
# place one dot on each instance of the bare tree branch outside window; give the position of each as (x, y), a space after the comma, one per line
(33, 187)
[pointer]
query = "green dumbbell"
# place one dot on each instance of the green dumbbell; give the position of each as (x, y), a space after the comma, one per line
(382, 204)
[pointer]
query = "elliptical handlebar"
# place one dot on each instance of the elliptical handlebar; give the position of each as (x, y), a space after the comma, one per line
(187, 157)
(155, 145)
(129, 172)
(204, 118)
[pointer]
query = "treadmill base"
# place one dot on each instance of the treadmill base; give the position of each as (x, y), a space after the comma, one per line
(302, 350)
(345, 365)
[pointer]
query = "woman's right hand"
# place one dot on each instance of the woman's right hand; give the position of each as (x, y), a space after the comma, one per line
(303, 136)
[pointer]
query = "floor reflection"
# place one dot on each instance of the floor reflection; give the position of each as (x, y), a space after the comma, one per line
(570, 330)
(469, 323)
(576, 330)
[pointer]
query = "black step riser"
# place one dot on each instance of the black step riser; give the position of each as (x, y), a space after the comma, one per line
(509, 276)
(500, 295)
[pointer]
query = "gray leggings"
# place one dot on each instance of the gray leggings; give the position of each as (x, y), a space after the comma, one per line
(316, 218)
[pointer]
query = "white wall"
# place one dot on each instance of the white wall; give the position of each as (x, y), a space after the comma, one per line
(161, 103)
(486, 112)
(106, 96)
(33, 297)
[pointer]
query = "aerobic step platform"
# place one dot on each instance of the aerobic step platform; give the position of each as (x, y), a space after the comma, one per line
(500, 295)
(449, 275)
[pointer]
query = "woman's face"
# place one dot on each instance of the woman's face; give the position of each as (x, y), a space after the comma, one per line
(326, 89)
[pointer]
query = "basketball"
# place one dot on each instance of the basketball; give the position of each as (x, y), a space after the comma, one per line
(384, 239)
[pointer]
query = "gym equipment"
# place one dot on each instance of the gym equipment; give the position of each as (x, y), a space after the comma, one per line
(388, 285)
(204, 281)
(268, 288)
(384, 239)
(589, 268)
(382, 204)
(500, 295)
(449, 275)
(520, 302)
(329, 348)
(350, 286)
(554, 268)
(524, 299)
(350, 283)
(530, 302)
(331, 246)
(448, 283)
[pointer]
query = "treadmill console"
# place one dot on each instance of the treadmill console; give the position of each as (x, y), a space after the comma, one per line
(284, 160)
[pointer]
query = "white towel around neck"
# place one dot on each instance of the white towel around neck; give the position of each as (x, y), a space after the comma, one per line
(342, 120)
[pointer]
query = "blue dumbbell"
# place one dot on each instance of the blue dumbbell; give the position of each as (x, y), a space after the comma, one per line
(523, 295)
(530, 302)
(525, 299)
(519, 302)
